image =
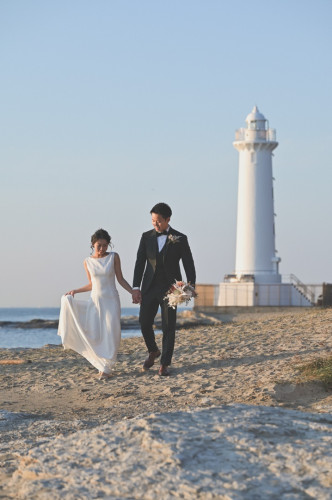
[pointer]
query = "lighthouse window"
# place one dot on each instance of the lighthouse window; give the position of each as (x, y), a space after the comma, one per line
(253, 157)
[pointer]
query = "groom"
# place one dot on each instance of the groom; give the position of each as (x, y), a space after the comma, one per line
(156, 269)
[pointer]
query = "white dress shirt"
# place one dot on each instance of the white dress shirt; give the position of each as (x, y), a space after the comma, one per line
(162, 240)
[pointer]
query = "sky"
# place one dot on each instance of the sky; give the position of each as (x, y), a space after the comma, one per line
(110, 106)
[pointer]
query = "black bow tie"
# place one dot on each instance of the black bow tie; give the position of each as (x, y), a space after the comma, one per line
(164, 233)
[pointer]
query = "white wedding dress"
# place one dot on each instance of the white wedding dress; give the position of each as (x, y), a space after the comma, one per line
(92, 328)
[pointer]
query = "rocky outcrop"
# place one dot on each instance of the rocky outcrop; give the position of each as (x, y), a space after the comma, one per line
(184, 319)
(237, 452)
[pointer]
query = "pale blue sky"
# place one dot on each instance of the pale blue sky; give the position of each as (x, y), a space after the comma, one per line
(108, 107)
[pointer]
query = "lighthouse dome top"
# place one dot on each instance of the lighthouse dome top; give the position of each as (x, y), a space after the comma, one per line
(255, 116)
(256, 131)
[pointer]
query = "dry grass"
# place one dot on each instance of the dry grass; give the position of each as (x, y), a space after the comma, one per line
(318, 370)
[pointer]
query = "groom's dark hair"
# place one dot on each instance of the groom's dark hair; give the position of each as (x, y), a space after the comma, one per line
(162, 209)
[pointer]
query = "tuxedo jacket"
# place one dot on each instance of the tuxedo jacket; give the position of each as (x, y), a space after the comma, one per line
(173, 252)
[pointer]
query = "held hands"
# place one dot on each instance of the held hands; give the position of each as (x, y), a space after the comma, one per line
(137, 296)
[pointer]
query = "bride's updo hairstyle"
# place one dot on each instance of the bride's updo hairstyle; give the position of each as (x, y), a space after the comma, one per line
(100, 234)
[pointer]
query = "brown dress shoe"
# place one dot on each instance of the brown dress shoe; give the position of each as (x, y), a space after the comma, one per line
(164, 371)
(150, 360)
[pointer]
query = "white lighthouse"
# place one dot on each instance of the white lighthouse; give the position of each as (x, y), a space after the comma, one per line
(256, 280)
(255, 240)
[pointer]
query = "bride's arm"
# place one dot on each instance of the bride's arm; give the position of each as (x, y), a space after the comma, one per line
(86, 288)
(119, 275)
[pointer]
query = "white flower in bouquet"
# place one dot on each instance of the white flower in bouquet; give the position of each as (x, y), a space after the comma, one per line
(180, 293)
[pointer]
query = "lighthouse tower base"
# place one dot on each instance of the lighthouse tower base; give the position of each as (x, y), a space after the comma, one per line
(253, 294)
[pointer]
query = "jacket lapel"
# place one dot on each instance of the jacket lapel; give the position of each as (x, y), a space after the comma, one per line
(153, 248)
(167, 243)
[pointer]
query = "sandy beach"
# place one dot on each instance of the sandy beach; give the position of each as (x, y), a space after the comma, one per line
(51, 399)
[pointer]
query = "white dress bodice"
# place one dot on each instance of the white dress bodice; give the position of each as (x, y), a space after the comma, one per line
(102, 272)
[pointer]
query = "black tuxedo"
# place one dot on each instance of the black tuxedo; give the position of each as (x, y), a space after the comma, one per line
(154, 273)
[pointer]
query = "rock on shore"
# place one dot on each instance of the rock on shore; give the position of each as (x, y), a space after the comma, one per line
(185, 319)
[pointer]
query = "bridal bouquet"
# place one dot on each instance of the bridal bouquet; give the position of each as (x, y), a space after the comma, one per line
(179, 293)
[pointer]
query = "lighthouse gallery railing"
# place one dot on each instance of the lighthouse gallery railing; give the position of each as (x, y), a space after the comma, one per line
(246, 134)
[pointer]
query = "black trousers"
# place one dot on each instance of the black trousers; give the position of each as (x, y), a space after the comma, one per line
(151, 300)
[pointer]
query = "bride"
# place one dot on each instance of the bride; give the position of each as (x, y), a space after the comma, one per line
(92, 328)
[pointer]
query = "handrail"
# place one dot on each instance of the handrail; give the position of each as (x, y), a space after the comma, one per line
(305, 289)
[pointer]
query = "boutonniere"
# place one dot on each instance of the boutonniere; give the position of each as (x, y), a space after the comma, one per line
(174, 239)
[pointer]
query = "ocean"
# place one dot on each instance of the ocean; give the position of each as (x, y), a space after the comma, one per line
(12, 336)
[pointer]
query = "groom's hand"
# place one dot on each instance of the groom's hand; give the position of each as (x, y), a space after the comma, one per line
(137, 296)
